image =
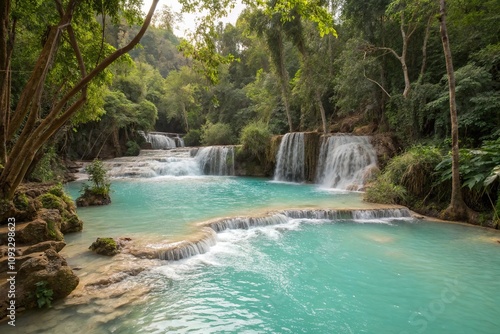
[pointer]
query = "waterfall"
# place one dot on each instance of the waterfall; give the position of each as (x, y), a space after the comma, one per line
(345, 161)
(216, 160)
(160, 142)
(244, 223)
(153, 163)
(290, 158)
(201, 242)
(179, 141)
(188, 248)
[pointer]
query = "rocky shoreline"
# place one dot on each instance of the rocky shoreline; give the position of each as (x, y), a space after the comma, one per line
(30, 243)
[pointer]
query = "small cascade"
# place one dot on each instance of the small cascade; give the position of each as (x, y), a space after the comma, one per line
(179, 141)
(207, 236)
(216, 160)
(290, 158)
(330, 214)
(160, 142)
(153, 163)
(345, 162)
(244, 223)
(188, 248)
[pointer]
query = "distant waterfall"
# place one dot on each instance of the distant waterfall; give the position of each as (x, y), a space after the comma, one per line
(290, 158)
(216, 160)
(160, 142)
(344, 161)
(179, 141)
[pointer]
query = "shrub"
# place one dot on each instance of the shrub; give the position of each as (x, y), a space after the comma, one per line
(100, 184)
(255, 138)
(192, 138)
(43, 294)
(414, 170)
(217, 134)
(385, 192)
(407, 178)
(133, 149)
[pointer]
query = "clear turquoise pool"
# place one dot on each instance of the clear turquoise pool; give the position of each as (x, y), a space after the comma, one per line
(305, 276)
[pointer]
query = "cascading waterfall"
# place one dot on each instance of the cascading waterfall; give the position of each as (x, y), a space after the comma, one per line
(290, 158)
(345, 162)
(207, 237)
(160, 142)
(216, 160)
(179, 141)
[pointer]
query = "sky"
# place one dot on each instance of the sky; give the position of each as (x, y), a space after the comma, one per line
(188, 22)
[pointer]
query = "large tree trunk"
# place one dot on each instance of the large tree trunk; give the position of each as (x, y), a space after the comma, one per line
(457, 210)
(35, 131)
(284, 79)
(5, 75)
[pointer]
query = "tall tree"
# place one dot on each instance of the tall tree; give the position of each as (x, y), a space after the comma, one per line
(25, 129)
(457, 209)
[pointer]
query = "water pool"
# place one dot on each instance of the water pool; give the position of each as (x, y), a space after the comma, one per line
(305, 276)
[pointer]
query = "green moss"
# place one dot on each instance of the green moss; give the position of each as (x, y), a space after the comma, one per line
(51, 201)
(21, 202)
(53, 231)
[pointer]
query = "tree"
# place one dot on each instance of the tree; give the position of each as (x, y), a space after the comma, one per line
(25, 129)
(457, 209)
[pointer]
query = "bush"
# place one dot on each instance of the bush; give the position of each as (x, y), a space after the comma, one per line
(192, 138)
(217, 134)
(408, 178)
(43, 294)
(100, 184)
(414, 170)
(255, 138)
(133, 149)
(385, 192)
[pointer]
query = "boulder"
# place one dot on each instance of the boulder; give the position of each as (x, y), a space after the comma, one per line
(48, 267)
(105, 246)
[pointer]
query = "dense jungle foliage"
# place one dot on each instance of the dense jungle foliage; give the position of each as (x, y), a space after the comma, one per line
(381, 65)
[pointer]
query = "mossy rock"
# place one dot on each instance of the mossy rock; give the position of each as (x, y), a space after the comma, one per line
(105, 246)
(91, 199)
(51, 201)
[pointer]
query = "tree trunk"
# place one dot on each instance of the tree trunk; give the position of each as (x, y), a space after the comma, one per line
(283, 73)
(317, 97)
(457, 210)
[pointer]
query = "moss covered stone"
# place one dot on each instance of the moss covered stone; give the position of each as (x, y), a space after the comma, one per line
(51, 201)
(105, 246)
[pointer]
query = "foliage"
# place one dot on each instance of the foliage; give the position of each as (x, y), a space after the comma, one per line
(43, 294)
(382, 191)
(478, 168)
(408, 176)
(192, 138)
(44, 170)
(100, 184)
(255, 138)
(133, 149)
(217, 134)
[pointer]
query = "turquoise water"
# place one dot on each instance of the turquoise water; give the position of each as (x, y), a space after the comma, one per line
(305, 276)
(166, 207)
(345, 277)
